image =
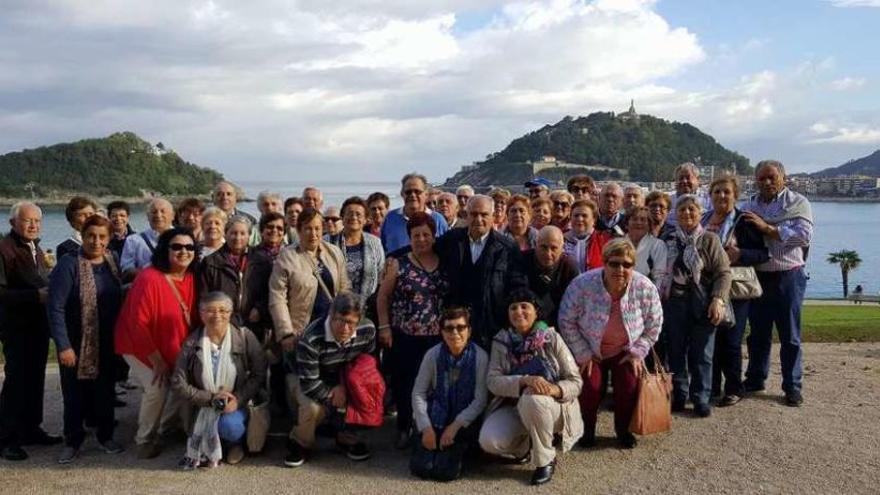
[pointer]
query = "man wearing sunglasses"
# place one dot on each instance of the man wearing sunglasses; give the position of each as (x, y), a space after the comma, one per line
(414, 190)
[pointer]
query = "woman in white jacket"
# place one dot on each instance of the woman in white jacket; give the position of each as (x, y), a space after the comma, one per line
(650, 251)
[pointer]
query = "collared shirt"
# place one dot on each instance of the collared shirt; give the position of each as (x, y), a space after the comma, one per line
(33, 246)
(477, 246)
(136, 254)
(394, 235)
(795, 234)
(613, 220)
(319, 358)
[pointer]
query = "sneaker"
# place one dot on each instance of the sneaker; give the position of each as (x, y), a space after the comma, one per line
(111, 447)
(67, 455)
(794, 399)
(729, 400)
(235, 454)
(702, 410)
(357, 452)
(627, 440)
(295, 456)
(149, 450)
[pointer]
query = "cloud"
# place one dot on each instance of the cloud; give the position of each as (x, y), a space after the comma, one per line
(848, 83)
(855, 3)
(832, 133)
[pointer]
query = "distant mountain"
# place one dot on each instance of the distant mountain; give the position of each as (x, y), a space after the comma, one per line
(867, 165)
(647, 147)
(122, 165)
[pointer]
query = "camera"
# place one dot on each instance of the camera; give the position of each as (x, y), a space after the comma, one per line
(219, 403)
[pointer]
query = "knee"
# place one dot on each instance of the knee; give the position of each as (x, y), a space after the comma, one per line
(532, 408)
(231, 426)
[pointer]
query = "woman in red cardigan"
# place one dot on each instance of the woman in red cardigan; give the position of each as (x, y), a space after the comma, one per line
(151, 328)
(583, 243)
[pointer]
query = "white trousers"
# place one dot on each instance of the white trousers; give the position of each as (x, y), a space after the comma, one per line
(160, 407)
(508, 430)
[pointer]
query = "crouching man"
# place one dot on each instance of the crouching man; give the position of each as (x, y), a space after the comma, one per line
(322, 355)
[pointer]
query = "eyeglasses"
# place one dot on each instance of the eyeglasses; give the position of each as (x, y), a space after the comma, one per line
(179, 247)
(578, 190)
(655, 206)
(346, 322)
(332, 219)
(279, 228)
(561, 204)
(455, 328)
(463, 197)
(620, 264)
(414, 192)
(217, 311)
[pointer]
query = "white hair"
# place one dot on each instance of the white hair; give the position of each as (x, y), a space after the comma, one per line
(690, 167)
(16, 209)
(465, 189)
(476, 198)
(265, 195)
(770, 163)
(239, 219)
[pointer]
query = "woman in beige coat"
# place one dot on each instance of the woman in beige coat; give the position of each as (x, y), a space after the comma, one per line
(536, 383)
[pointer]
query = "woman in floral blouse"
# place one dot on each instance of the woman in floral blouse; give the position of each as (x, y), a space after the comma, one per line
(409, 302)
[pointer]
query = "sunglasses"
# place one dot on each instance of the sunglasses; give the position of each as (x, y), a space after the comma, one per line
(332, 219)
(180, 247)
(620, 264)
(455, 328)
(578, 190)
(561, 204)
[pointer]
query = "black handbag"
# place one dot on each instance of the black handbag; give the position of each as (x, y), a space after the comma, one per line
(439, 465)
(699, 302)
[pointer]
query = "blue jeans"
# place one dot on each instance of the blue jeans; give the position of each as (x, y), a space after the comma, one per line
(780, 305)
(232, 426)
(691, 346)
(728, 352)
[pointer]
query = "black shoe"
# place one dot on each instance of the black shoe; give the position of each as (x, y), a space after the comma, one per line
(794, 399)
(729, 400)
(678, 405)
(702, 410)
(357, 452)
(588, 440)
(13, 453)
(295, 456)
(752, 388)
(40, 437)
(627, 440)
(543, 474)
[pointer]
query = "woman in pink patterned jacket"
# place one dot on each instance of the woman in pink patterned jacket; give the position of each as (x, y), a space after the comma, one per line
(610, 318)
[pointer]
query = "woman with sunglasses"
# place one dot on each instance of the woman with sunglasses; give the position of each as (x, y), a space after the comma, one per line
(562, 208)
(610, 319)
(228, 269)
(449, 394)
(153, 323)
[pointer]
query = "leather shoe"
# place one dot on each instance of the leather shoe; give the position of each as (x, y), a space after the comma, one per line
(40, 437)
(13, 453)
(794, 399)
(627, 440)
(702, 410)
(678, 405)
(588, 440)
(544, 474)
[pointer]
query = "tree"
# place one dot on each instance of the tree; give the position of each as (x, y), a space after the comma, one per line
(848, 260)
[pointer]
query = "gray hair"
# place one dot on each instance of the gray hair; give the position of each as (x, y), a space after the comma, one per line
(688, 198)
(633, 187)
(160, 202)
(264, 195)
(347, 302)
(612, 185)
(235, 188)
(238, 219)
(476, 198)
(686, 166)
(215, 297)
(213, 211)
(549, 231)
(770, 163)
(16, 209)
(414, 175)
(312, 188)
(465, 189)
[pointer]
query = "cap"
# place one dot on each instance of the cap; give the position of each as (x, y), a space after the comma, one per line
(538, 181)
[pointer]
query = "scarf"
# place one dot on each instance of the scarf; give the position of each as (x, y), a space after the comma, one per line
(526, 352)
(456, 385)
(87, 368)
(794, 206)
(685, 246)
(205, 439)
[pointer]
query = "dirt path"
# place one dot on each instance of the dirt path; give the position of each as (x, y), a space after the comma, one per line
(830, 445)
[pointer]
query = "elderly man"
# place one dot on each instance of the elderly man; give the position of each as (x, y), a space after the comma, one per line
(414, 189)
(610, 216)
(550, 271)
(538, 187)
(118, 213)
(313, 198)
(633, 197)
(226, 198)
(138, 250)
(377, 208)
(483, 266)
(327, 345)
(687, 181)
(267, 202)
(463, 194)
(24, 332)
(786, 220)
(447, 205)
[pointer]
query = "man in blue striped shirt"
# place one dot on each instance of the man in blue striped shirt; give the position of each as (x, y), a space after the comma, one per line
(786, 220)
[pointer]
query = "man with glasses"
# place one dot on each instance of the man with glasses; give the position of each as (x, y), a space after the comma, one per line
(414, 189)
(538, 187)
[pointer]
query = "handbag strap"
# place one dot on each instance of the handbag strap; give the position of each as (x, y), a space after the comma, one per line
(658, 365)
(183, 306)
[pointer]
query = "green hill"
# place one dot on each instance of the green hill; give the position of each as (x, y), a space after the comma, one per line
(121, 165)
(647, 148)
(866, 165)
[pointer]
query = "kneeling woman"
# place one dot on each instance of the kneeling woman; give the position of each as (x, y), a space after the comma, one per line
(536, 385)
(220, 368)
(449, 394)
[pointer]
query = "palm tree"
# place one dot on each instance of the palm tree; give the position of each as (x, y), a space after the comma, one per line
(848, 260)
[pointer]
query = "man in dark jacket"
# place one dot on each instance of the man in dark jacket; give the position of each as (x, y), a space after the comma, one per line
(550, 271)
(482, 266)
(24, 331)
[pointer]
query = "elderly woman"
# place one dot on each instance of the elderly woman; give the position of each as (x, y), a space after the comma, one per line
(696, 292)
(650, 251)
(450, 392)
(408, 304)
(220, 368)
(364, 256)
(78, 210)
(84, 299)
(499, 214)
(332, 221)
(228, 269)
(583, 243)
(255, 301)
(542, 212)
(518, 219)
(610, 318)
(189, 215)
(658, 204)
(744, 245)
(213, 229)
(152, 325)
(536, 382)
(562, 204)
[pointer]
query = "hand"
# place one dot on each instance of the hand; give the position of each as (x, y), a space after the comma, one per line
(231, 403)
(758, 222)
(716, 311)
(429, 439)
(160, 370)
(337, 397)
(254, 315)
(587, 367)
(448, 436)
(385, 338)
(732, 254)
(539, 386)
(43, 294)
(67, 358)
(634, 361)
(288, 343)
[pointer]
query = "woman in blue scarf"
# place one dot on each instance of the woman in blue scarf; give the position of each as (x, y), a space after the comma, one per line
(448, 397)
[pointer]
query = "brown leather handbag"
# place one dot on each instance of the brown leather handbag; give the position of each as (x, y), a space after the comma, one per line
(653, 412)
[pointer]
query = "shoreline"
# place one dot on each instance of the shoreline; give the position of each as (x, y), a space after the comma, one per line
(104, 200)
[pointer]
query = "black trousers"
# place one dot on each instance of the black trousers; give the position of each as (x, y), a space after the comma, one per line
(407, 352)
(21, 400)
(88, 401)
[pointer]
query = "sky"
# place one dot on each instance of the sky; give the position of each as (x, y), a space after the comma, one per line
(310, 90)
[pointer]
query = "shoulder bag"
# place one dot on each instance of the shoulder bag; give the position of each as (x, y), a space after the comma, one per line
(653, 412)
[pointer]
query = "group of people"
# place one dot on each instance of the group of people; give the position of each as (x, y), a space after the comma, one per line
(497, 320)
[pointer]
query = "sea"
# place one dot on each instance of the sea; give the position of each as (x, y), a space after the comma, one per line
(838, 226)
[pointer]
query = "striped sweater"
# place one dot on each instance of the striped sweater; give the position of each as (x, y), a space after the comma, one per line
(320, 359)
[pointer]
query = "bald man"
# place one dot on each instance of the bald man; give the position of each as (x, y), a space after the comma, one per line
(550, 271)
(138, 249)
